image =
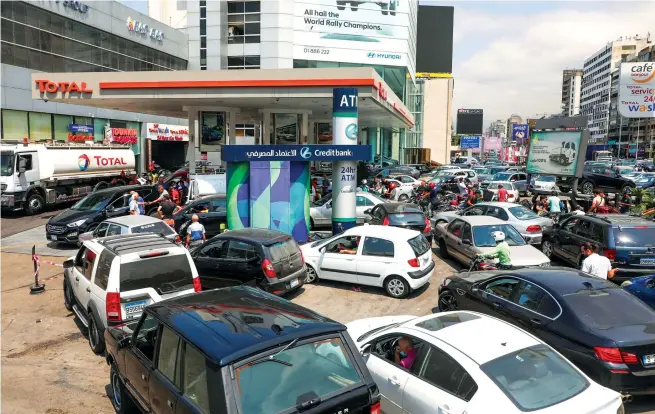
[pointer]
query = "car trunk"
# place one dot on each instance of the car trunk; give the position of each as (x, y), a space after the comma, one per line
(635, 247)
(285, 257)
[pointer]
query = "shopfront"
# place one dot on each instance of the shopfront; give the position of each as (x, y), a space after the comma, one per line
(167, 145)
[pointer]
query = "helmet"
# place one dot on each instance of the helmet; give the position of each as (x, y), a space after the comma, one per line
(364, 182)
(392, 185)
(432, 185)
(498, 236)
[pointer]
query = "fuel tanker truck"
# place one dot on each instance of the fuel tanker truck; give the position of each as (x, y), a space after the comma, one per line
(35, 175)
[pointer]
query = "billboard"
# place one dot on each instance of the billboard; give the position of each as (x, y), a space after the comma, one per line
(470, 142)
(434, 39)
(519, 133)
(637, 90)
(370, 33)
(556, 152)
(469, 121)
(212, 131)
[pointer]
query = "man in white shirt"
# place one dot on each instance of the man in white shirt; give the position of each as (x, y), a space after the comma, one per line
(195, 233)
(134, 205)
(595, 264)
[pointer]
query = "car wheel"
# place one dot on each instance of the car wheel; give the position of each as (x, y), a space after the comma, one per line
(68, 296)
(627, 189)
(443, 250)
(547, 248)
(96, 338)
(312, 276)
(447, 302)
(34, 204)
(528, 193)
(101, 185)
(403, 197)
(120, 399)
(587, 187)
(396, 287)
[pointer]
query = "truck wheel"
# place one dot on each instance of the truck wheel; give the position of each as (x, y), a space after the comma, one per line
(96, 336)
(101, 185)
(120, 399)
(587, 187)
(68, 296)
(34, 204)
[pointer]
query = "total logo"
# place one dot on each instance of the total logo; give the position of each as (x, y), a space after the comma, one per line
(351, 131)
(380, 55)
(305, 153)
(83, 162)
(643, 73)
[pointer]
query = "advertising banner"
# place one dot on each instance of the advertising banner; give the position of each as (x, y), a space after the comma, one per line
(637, 90)
(554, 153)
(237, 153)
(519, 133)
(470, 142)
(161, 132)
(344, 172)
(84, 129)
(375, 33)
(213, 131)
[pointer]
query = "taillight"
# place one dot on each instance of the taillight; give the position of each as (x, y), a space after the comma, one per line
(178, 239)
(385, 221)
(197, 287)
(610, 254)
(615, 355)
(268, 269)
(428, 226)
(113, 307)
(375, 408)
(533, 229)
(414, 262)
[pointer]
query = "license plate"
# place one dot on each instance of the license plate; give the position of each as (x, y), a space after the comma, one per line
(294, 283)
(647, 261)
(135, 307)
(54, 238)
(648, 359)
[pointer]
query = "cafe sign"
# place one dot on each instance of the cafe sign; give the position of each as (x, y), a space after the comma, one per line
(161, 132)
(123, 136)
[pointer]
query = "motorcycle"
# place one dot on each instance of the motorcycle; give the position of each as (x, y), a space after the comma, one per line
(479, 264)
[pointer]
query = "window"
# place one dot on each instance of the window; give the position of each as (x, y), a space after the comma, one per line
(348, 242)
(374, 246)
(466, 232)
(455, 228)
(420, 245)
(439, 322)
(239, 250)
(114, 230)
(87, 264)
(283, 250)
(530, 296)
(219, 205)
(25, 161)
(442, 371)
(195, 378)
(166, 274)
(14, 123)
(570, 224)
(243, 22)
(156, 227)
(474, 211)
(167, 360)
(103, 269)
(497, 212)
(483, 235)
(146, 336)
(363, 201)
(215, 250)
(583, 229)
(101, 230)
(243, 62)
(503, 288)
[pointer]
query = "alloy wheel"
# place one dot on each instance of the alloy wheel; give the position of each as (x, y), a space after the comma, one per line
(547, 248)
(116, 390)
(396, 287)
(447, 302)
(311, 275)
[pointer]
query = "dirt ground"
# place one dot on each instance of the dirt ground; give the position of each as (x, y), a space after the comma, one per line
(47, 366)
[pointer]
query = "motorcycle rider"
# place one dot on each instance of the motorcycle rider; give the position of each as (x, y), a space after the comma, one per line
(364, 186)
(434, 195)
(501, 251)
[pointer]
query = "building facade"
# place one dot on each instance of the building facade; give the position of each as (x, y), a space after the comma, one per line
(597, 82)
(571, 91)
(99, 36)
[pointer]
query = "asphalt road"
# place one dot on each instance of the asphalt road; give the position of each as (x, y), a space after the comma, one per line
(13, 222)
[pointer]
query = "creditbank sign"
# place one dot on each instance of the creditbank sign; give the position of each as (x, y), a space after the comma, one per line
(637, 90)
(240, 153)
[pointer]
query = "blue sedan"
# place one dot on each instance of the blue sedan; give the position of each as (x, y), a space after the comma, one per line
(642, 287)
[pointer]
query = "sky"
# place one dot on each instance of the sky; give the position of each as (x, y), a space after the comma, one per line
(508, 56)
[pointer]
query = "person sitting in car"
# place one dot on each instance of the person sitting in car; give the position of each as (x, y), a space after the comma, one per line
(352, 250)
(405, 352)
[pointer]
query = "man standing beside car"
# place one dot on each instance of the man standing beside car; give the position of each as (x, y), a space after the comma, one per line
(167, 210)
(134, 205)
(595, 264)
(195, 233)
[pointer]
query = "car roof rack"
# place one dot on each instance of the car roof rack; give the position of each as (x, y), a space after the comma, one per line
(131, 243)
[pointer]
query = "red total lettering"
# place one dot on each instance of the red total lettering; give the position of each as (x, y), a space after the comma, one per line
(51, 87)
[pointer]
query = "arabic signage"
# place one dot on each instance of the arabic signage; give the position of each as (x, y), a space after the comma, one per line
(470, 142)
(142, 28)
(555, 152)
(79, 128)
(161, 132)
(236, 153)
(637, 90)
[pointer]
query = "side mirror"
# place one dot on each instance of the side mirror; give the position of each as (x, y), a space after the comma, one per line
(323, 249)
(467, 242)
(475, 289)
(109, 209)
(367, 211)
(69, 264)
(366, 350)
(328, 204)
(124, 343)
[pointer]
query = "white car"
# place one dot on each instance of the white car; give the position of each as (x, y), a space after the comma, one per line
(407, 180)
(512, 193)
(545, 183)
(130, 225)
(320, 211)
(399, 260)
(467, 362)
(402, 192)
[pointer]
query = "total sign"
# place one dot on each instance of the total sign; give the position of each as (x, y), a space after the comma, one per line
(637, 90)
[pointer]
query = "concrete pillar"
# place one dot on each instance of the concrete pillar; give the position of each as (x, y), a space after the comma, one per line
(311, 137)
(194, 138)
(304, 128)
(232, 138)
(344, 173)
(266, 127)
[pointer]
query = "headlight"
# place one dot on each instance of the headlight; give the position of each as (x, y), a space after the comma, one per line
(77, 223)
(626, 283)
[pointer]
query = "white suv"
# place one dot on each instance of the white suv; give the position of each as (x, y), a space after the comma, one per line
(400, 260)
(112, 279)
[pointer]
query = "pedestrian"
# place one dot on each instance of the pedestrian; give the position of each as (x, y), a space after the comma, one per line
(461, 185)
(595, 264)
(195, 233)
(625, 204)
(598, 201)
(162, 193)
(140, 202)
(554, 204)
(134, 205)
(175, 194)
(167, 210)
(502, 194)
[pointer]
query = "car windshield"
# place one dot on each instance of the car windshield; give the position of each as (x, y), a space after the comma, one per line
(641, 236)
(322, 201)
(502, 177)
(156, 227)
(316, 371)
(482, 235)
(166, 274)
(7, 164)
(92, 202)
(522, 213)
(482, 171)
(609, 307)
(282, 250)
(547, 179)
(535, 378)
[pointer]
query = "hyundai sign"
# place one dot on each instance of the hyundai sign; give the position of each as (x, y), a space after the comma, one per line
(240, 153)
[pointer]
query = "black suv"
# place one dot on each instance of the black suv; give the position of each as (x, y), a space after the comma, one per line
(86, 214)
(629, 242)
(403, 215)
(236, 350)
(268, 259)
(597, 176)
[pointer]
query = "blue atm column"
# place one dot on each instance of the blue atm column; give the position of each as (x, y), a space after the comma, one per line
(344, 173)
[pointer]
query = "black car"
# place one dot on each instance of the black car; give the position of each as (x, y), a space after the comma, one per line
(404, 215)
(211, 211)
(605, 331)
(268, 259)
(600, 177)
(236, 350)
(86, 214)
(629, 242)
